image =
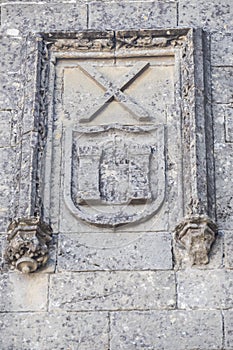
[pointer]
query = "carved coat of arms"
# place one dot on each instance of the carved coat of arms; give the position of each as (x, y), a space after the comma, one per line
(114, 174)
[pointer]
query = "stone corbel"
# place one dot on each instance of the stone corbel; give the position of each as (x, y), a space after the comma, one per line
(196, 235)
(28, 240)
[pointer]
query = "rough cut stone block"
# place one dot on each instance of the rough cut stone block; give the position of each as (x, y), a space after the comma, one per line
(132, 15)
(211, 14)
(170, 330)
(222, 83)
(23, 292)
(43, 17)
(112, 291)
(205, 289)
(61, 331)
(222, 49)
(114, 251)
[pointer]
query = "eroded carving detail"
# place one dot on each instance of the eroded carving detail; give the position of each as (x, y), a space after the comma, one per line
(118, 173)
(146, 40)
(85, 41)
(196, 235)
(28, 240)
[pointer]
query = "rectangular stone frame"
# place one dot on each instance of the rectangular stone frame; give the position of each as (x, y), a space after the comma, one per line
(191, 49)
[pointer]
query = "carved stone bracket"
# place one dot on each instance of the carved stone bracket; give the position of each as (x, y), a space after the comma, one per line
(28, 240)
(196, 235)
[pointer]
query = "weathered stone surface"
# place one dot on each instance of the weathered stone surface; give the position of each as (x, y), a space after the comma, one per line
(210, 14)
(224, 181)
(220, 113)
(112, 125)
(7, 159)
(120, 290)
(223, 166)
(5, 128)
(149, 250)
(180, 330)
(132, 15)
(204, 289)
(182, 258)
(23, 292)
(23, 18)
(229, 123)
(222, 83)
(196, 235)
(228, 248)
(114, 251)
(228, 326)
(2, 240)
(98, 128)
(11, 72)
(222, 49)
(36, 331)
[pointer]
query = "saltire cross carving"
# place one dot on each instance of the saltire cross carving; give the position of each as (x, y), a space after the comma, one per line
(114, 91)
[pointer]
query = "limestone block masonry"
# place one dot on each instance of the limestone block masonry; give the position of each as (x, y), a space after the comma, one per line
(116, 189)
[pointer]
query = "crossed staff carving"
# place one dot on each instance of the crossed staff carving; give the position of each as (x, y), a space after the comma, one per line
(114, 91)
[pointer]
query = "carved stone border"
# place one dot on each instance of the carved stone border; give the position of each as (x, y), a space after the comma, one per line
(191, 49)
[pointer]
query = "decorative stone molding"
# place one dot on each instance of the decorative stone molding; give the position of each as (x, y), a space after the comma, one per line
(172, 137)
(196, 235)
(28, 240)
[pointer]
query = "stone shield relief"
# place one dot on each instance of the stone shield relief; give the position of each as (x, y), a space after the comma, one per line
(114, 174)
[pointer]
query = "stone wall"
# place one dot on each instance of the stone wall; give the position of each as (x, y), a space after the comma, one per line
(107, 288)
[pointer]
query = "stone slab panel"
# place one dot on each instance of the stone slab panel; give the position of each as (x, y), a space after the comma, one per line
(12, 53)
(208, 14)
(26, 18)
(116, 251)
(222, 84)
(112, 291)
(23, 292)
(61, 331)
(204, 289)
(222, 49)
(132, 15)
(170, 330)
